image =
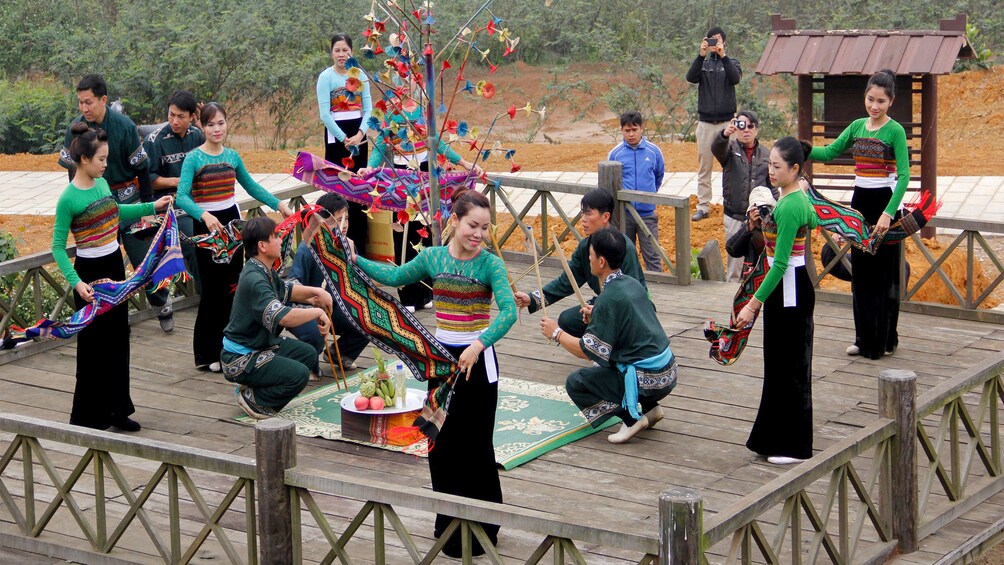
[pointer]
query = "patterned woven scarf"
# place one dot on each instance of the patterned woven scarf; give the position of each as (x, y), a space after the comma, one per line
(389, 325)
(851, 225)
(385, 188)
(224, 244)
(727, 344)
(163, 260)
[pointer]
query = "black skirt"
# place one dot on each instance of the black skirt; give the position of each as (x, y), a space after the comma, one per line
(414, 294)
(783, 423)
(219, 283)
(334, 153)
(101, 395)
(875, 286)
(462, 461)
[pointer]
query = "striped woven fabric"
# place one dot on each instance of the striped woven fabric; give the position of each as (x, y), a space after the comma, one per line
(97, 225)
(386, 189)
(343, 100)
(214, 182)
(462, 304)
(162, 262)
(851, 225)
(727, 344)
(873, 158)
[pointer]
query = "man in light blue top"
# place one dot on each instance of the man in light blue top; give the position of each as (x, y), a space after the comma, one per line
(643, 169)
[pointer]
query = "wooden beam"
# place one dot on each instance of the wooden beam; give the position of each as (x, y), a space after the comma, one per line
(898, 400)
(681, 524)
(275, 451)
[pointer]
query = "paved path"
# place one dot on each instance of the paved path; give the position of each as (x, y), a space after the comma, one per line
(980, 198)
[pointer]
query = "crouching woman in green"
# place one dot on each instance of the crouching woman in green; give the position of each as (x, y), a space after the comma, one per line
(87, 210)
(782, 430)
(271, 370)
(465, 277)
(625, 339)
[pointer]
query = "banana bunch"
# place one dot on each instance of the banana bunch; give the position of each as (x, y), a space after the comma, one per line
(385, 390)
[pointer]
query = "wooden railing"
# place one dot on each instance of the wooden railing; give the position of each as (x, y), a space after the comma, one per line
(109, 508)
(968, 305)
(860, 499)
(610, 180)
(37, 272)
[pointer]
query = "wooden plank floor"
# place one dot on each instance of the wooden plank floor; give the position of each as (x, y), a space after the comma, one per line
(700, 444)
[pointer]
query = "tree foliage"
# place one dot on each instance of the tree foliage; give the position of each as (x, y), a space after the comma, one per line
(267, 54)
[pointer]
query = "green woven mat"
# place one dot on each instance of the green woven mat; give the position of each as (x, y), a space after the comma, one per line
(531, 419)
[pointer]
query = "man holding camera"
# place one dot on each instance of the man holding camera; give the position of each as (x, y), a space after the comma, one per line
(716, 77)
(744, 166)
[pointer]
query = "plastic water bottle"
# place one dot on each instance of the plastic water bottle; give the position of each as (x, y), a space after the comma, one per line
(400, 373)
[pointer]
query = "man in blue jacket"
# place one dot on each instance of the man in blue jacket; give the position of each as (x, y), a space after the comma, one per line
(716, 77)
(643, 169)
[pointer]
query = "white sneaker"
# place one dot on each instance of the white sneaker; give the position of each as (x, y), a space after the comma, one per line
(853, 350)
(410, 309)
(216, 367)
(627, 432)
(782, 460)
(429, 304)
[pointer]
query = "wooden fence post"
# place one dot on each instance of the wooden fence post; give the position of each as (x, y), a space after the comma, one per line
(610, 177)
(898, 400)
(681, 526)
(275, 451)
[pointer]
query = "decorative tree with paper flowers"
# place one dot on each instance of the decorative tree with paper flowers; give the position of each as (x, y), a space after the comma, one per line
(415, 93)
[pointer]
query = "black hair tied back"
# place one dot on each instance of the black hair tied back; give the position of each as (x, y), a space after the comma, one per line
(86, 141)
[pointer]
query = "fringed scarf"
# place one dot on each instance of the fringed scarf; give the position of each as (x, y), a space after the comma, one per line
(384, 188)
(851, 225)
(162, 262)
(727, 344)
(388, 324)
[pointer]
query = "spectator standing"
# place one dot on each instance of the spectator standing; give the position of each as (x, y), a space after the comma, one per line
(744, 166)
(716, 77)
(643, 169)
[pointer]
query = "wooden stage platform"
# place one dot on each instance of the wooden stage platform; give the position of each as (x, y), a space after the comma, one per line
(700, 444)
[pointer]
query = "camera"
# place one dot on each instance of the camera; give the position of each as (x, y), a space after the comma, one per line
(712, 41)
(764, 211)
(740, 124)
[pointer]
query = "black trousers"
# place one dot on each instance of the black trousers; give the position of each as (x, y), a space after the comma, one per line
(219, 283)
(462, 461)
(783, 424)
(335, 152)
(101, 395)
(875, 286)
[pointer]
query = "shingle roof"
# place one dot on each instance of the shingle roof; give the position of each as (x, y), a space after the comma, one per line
(863, 52)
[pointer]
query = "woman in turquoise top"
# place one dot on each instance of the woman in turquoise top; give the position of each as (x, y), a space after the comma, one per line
(783, 428)
(345, 105)
(206, 192)
(87, 210)
(882, 173)
(465, 276)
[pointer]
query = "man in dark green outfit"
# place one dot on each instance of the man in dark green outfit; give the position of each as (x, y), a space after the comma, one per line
(127, 173)
(166, 147)
(633, 362)
(597, 205)
(271, 370)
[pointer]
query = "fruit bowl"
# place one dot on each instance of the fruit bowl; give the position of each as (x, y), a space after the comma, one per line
(413, 400)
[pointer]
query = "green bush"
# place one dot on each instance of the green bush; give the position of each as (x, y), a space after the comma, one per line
(34, 115)
(8, 247)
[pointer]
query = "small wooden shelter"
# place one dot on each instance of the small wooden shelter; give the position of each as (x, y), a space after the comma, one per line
(836, 65)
